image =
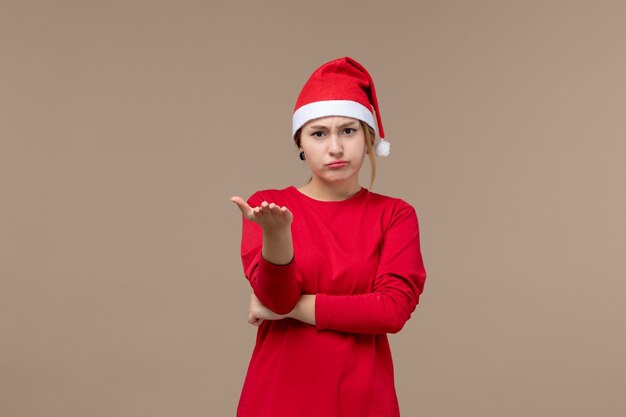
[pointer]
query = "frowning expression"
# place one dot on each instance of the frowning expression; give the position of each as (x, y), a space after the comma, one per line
(334, 148)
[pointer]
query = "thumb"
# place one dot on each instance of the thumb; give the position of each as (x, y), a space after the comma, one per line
(245, 209)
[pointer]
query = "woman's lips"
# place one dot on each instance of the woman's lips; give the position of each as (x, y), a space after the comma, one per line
(337, 164)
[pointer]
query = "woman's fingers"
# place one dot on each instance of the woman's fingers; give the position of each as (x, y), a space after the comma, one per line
(253, 313)
(252, 318)
(245, 209)
(248, 211)
(266, 214)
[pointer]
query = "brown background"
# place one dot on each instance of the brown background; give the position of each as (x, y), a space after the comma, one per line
(127, 125)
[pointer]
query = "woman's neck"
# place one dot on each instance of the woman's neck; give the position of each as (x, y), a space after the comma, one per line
(319, 190)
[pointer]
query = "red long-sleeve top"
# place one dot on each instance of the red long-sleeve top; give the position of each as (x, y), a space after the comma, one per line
(362, 259)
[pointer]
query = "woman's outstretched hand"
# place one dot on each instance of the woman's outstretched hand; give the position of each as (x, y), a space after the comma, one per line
(257, 312)
(269, 216)
(275, 221)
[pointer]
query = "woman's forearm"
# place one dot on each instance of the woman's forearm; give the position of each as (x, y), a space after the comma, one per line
(277, 246)
(304, 310)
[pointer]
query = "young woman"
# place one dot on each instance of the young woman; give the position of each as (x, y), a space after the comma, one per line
(333, 266)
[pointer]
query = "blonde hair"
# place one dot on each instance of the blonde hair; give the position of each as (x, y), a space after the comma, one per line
(370, 137)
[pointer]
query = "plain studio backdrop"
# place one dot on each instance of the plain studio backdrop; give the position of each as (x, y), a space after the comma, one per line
(125, 126)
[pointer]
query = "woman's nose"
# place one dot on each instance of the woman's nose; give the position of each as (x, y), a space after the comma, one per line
(335, 146)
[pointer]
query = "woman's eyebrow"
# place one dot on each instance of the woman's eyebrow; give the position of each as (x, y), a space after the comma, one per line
(349, 123)
(325, 127)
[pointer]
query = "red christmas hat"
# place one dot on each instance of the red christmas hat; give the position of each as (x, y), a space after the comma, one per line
(341, 87)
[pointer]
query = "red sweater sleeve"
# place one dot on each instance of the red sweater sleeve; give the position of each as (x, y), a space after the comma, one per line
(277, 286)
(399, 282)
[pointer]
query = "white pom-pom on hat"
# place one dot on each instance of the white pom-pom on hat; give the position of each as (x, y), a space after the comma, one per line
(382, 148)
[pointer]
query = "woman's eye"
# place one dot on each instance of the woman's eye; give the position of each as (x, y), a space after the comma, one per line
(349, 130)
(317, 134)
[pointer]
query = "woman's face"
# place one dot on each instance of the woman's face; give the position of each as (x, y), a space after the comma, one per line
(334, 148)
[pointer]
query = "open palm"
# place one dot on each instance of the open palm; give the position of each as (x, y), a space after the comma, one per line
(269, 216)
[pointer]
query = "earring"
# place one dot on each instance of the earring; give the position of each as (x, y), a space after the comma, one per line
(302, 158)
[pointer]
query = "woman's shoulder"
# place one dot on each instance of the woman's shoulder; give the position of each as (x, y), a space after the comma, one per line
(389, 201)
(393, 211)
